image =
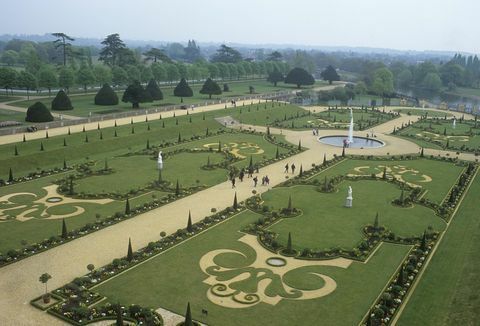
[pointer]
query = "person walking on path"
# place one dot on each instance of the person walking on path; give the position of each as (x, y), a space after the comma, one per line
(233, 182)
(241, 175)
(286, 168)
(267, 180)
(293, 168)
(255, 180)
(263, 181)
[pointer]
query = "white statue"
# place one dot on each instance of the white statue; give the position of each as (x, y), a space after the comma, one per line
(160, 160)
(454, 122)
(349, 201)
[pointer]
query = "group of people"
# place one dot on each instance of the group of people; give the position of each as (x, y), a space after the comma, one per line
(291, 167)
(234, 103)
(315, 131)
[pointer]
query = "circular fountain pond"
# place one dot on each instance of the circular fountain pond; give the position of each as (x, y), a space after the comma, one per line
(276, 261)
(358, 142)
(54, 199)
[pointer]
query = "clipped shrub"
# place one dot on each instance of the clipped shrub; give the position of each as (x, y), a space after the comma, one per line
(154, 91)
(61, 102)
(106, 96)
(38, 112)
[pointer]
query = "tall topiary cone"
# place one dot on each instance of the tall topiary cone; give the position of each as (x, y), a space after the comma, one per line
(154, 91)
(289, 243)
(188, 317)
(61, 102)
(129, 251)
(106, 96)
(235, 201)
(127, 207)
(38, 112)
(189, 223)
(64, 229)
(119, 320)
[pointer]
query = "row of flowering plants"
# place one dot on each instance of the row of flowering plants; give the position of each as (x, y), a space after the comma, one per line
(79, 304)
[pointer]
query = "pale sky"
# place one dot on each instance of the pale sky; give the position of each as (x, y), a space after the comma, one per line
(401, 24)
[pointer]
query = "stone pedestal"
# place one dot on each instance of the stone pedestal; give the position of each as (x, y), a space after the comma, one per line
(349, 201)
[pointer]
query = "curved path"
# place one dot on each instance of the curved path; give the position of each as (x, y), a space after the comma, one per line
(19, 282)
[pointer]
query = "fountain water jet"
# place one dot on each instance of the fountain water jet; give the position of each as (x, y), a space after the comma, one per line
(350, 129)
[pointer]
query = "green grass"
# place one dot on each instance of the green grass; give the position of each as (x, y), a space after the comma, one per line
(326, 223)
(141, 170)
(443, 174)
(173, 278)
(8, 115)
(462, 91)
(83, 104)
(4, 98)
(448, 293)
(138, 169)
(464, 137)
(422, 112)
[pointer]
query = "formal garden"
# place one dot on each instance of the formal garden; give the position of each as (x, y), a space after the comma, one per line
(298, 249)
(441, 131)
(58, 188)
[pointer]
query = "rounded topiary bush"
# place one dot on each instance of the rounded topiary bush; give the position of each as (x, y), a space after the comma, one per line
(38, 112)
(106, 96)
(61, 102)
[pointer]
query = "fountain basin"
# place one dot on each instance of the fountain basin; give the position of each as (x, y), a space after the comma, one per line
(276, 261)
(358, 142)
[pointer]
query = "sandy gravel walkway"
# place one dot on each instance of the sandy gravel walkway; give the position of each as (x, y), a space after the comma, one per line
(19, 282)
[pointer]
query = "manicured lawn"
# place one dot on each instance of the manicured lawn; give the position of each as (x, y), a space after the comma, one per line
(4, 98)
(336, 119)
(8, 115)
(326, 223)
(83, 104)
(174, 278)
(139, 169)
(443, 174)
(448, 293)
(465, 136)
(423, 112)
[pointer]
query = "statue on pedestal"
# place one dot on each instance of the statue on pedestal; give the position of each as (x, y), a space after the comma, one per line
(349, 201)
(160, 160)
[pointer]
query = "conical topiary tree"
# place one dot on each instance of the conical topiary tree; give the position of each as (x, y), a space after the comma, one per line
(177, 189)
(119, 320)
(301, 171)
(61, 102)
(188, 317)
(38, 112)
(277, 154)
(400, 277)
(106, 96)
(235, 201)
(135, 94)
(182, 90)
(423, 244)
(324, 159)
(290, 207)
(154, 91)
(64, 229)
(210, 88)
(127, 207)
(375, 223)
(189, 223)
(289, 249)
(129, 251)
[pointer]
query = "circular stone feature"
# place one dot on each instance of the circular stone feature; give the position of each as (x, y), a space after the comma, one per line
(276, 261)
(54, 199)
(358, 142)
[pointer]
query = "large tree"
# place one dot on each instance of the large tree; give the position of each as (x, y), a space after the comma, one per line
(159, 72)
(210, 87)
(192, 51)
(274, 56)
(155, 54)
(61, 42)
(119, 76)
(27, 81)
(183, 90)
(47, 78)
(113, 46)
(299, 77)
(66, 78)
(135, 94)
(103, 74)
(330, 74)
(275, 76)
(432, 82)
(382, 82)
(85, 76)
(226, 54)
(8, 78)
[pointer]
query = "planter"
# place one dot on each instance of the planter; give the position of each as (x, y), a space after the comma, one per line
(46, 298)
